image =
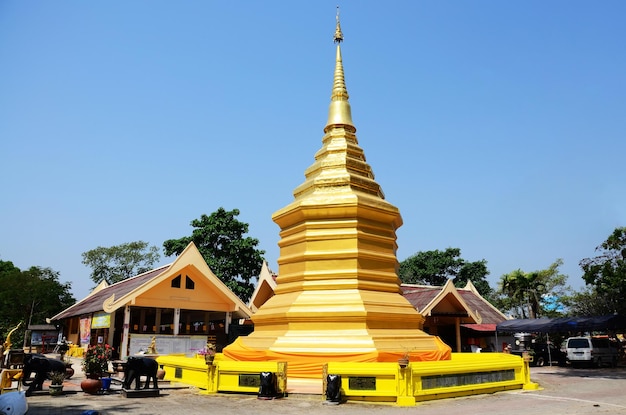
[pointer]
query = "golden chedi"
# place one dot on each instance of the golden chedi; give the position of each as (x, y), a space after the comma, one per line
(338, 295)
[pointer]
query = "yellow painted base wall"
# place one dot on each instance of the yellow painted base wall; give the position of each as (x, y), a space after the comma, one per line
(463, 374)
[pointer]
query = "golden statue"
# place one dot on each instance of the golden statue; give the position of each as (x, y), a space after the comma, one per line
(152, 348)
(7, 343)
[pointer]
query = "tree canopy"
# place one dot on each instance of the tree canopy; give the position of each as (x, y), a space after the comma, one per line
(605, 273)
(437, 267)
(119, 262)
(232, 256)
(588, 302)
(533, 294)
(30, 296)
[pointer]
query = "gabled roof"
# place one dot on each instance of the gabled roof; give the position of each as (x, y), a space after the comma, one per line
(449, 294)
(95, 300)
(264, 289)
(128, 291)
(425, 299)
(488, 313)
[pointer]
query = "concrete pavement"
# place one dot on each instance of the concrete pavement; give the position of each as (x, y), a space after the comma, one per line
(565, 391)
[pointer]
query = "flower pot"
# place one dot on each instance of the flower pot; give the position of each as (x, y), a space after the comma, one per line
(69, 371)
(55, 390)
(91, 386)
(106, 383)
(403, 362)
(160, 374)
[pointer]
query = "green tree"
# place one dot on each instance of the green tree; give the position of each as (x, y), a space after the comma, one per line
(30, 296)
(588, 302)
(476, 272)
(533, 294)
(232, 256)
(606, 273)
(120, 262)
(437, 267)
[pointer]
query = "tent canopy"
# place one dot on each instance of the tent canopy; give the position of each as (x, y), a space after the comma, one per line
(563, 324)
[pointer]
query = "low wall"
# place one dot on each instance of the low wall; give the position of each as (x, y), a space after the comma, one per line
(463, 374)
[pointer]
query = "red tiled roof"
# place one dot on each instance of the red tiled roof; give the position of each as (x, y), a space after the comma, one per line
(94, 302)
(485, 310)
(421, 295)
(480, 327)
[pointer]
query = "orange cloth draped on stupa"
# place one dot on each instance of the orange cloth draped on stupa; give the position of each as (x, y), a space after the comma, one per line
(309, 365)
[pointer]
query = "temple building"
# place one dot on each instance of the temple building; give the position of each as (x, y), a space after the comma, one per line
(337, 295)
(461, 317)
(181, 304)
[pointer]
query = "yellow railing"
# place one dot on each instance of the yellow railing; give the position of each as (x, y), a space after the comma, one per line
(463, 374)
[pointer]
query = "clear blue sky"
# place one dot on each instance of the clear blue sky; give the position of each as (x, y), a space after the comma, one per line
(495, 127)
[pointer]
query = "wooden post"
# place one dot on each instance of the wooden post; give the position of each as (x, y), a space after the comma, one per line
(457, 327)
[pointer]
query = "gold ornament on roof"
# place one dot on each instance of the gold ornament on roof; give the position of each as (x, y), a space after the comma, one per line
(338, 35)
(7, 344)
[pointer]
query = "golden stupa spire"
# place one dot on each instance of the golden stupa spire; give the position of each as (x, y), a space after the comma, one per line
(337, 295)
(339, 112)
(338, 34)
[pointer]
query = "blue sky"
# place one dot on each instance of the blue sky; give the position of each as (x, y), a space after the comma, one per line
(495, 127)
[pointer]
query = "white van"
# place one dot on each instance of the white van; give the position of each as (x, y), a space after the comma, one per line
(593, 351)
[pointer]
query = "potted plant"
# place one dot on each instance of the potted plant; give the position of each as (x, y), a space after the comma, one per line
(95, 364)
(96, 360)
(69, 370)
(63, 346)
(56, 383)
(404, 360)
(208, 352)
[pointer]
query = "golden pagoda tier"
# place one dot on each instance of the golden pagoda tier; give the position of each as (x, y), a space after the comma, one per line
(338, 295)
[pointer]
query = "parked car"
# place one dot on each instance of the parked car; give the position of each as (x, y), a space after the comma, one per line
(544, 354)
(591, 351)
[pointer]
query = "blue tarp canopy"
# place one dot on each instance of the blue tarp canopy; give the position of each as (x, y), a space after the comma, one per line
(563, 324)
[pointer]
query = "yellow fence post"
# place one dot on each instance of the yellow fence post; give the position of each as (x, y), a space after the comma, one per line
(405, 386)
(528, 385)
(281, 380)
(212, 381)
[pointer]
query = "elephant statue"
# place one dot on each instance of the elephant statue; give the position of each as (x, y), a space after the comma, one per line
(140, 366)
(41, 366)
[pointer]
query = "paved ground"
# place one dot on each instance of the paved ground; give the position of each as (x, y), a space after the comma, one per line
(565, 391)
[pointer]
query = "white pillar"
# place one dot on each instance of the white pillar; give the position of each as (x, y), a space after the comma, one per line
(124, 345)
(227, 321)
(176, 320)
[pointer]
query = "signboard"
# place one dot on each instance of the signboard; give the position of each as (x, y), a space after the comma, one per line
(37, 337)
(166, 344)
(85, 330)
(101, 320)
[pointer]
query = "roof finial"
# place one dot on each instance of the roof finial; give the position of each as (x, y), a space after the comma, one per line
(339, 112)
(338, 35)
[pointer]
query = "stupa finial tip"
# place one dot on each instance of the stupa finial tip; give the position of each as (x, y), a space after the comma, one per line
(338, 35)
